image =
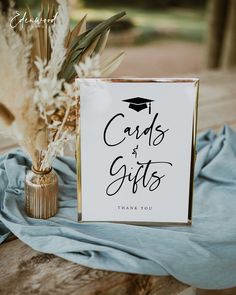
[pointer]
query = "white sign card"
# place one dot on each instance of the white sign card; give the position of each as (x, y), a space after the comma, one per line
(136, 152)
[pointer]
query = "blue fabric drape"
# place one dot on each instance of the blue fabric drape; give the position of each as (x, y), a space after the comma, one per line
(202, 255)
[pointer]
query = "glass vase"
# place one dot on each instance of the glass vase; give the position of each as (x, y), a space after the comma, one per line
(41, 193)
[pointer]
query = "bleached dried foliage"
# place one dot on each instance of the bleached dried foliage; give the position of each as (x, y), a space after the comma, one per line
(58, 33)
(38, 93)
(16, 87)
(89, 68)
(56, 94)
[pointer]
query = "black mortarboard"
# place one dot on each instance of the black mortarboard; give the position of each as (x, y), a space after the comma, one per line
(139, 103)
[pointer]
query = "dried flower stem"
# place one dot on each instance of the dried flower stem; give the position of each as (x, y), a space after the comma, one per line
(63, 124)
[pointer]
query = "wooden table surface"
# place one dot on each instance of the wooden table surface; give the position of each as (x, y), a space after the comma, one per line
(25, 271)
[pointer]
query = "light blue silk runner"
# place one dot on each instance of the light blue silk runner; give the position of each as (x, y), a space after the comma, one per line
(203, 255)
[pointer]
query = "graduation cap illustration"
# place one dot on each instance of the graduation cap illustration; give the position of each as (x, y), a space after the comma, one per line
(139, 103)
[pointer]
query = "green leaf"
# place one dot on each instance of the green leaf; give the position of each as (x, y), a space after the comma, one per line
(79, 29)
(102, 42)
(90, 49)
(99, 29)
(81, 43)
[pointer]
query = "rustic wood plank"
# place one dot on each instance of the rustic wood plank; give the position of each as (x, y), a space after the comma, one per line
(6, 144)
(217, 100)
(231, 291)
(217, 86)
(25, 271)
(216, 115)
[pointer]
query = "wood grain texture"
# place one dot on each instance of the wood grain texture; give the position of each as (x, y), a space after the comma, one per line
(231, 291)
(217, 100)
(25, 271)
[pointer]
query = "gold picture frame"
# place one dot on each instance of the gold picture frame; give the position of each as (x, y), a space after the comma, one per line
(193, 150)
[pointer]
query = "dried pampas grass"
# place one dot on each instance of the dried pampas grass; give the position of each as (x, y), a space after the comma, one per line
(16, 89)
(58, 34)
(39, 64)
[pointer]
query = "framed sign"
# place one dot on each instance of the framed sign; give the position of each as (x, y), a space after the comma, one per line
(136, 150)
